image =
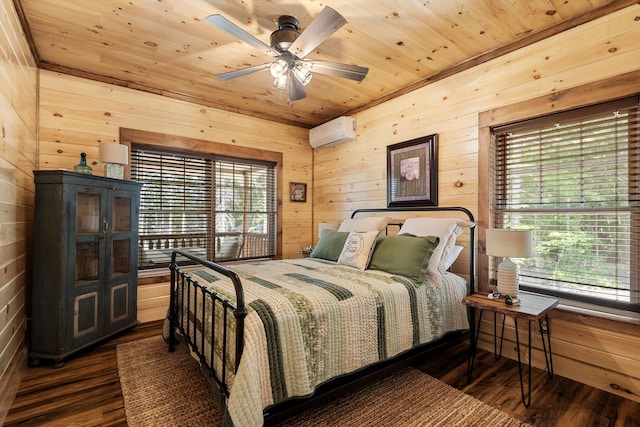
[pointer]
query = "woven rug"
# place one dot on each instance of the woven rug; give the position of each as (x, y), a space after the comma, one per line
(168, 389)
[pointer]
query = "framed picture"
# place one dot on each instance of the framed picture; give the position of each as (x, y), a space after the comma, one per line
(298, 191)
(412, 172)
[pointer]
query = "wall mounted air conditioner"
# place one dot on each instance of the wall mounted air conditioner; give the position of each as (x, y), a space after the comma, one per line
(342, 129)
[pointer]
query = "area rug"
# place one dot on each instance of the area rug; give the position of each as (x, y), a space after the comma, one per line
(168, 389)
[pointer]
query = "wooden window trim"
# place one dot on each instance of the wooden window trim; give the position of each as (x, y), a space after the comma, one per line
(141, 137)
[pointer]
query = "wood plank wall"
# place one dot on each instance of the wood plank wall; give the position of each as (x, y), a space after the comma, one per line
(352, 175)
(77, 114)
(18, 119)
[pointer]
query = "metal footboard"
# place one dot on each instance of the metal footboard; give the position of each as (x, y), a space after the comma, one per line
(195, 297)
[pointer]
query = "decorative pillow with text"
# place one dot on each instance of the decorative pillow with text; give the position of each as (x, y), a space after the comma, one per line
(357, 249)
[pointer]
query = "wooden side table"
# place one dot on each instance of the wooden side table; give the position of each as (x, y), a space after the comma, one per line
(532, 307)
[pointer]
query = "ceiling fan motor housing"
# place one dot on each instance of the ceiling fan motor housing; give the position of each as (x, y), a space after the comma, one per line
(288, 30)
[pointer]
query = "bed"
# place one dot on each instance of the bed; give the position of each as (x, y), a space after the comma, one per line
(274, 336)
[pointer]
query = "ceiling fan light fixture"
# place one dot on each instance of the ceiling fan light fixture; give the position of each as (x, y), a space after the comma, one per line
(281, 82)
(302, 74)
(279, 68)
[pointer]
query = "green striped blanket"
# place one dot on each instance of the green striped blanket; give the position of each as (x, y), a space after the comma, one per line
(310, 320)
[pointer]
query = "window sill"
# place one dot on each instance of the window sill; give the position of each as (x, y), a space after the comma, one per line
(586, 313)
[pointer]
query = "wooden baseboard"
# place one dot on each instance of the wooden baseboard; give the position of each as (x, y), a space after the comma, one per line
(153, 301)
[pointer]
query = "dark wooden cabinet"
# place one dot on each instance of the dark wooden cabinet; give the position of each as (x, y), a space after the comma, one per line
(85, 262)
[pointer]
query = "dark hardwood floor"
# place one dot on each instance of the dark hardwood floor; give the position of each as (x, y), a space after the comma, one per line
(86, 391)
(557, 401)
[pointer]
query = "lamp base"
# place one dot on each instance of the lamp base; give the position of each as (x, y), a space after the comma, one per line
(114, 170)
(508, 278)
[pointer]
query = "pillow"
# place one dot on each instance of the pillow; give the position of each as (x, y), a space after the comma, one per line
(454, 253)
(447, 229)
(373, 223)
(358, 248)
(330, 245)
(405, 255)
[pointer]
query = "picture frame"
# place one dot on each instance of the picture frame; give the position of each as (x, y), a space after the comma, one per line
(298, 191)
(412, 172)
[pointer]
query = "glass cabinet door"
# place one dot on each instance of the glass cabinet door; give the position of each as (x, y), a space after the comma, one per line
(121, 248)
(90, 205)
(87, 247)
(122, 253)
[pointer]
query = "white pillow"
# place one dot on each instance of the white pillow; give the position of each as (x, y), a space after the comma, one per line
(454, 253)
(447, 229)
(372, 223)
(358, 248)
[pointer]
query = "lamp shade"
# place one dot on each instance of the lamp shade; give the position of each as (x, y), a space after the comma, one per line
(114, 153)
(504, 242)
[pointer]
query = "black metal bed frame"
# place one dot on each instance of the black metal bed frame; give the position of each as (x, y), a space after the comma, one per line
(190, 290)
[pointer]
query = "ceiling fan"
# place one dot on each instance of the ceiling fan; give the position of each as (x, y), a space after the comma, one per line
(291, 71)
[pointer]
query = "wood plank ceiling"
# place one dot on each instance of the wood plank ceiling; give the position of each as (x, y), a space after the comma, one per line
(167, 47)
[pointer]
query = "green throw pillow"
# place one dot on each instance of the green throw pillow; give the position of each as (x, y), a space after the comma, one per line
(406, 255)
(330, 245)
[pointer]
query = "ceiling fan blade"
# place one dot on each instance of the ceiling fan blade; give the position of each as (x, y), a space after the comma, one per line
(296, 89)
(243, 72)
(352, 72)
(231, 28)
(326, 23)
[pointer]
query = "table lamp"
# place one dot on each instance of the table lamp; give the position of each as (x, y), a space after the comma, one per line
(507, 243)
(114, 157)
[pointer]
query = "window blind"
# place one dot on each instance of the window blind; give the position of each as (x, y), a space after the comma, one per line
(218, 208)
(572, 178)
(175, 204)
(246, 201)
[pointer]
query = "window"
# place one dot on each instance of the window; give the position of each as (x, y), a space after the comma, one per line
(573, 178)
(219, 208)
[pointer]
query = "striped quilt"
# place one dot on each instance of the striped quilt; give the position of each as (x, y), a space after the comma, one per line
(310, 320)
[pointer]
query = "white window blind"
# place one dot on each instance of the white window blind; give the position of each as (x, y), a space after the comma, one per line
(217, 208)
(572, 178)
